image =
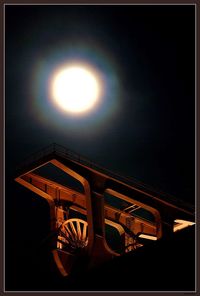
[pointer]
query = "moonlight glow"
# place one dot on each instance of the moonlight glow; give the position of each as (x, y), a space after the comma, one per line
(76, 88)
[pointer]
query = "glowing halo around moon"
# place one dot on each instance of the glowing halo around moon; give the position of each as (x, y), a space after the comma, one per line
(76, 88)
(48, 109)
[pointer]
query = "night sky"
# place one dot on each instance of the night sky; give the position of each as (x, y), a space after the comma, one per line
(145, 125)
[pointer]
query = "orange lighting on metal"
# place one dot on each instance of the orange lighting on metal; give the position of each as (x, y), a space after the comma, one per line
(182, 224)
(146, 236)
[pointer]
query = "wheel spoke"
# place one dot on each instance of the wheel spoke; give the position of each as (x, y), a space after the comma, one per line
(84, 232)
(78, 229)
(73, 228)
(69, 231)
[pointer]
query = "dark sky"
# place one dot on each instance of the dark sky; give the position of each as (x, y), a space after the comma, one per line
(145, 126)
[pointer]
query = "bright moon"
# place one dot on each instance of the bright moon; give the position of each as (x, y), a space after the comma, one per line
(76, 88)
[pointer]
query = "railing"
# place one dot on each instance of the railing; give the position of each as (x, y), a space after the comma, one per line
(66, 153)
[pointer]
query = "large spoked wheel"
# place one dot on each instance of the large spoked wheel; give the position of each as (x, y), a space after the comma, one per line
(73, 235)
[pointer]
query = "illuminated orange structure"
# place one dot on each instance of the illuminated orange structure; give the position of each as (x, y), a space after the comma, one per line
(96, 214)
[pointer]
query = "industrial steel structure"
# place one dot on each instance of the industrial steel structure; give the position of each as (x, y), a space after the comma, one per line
(95, 214)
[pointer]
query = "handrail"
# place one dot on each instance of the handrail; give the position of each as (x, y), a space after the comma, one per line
(67, 153)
